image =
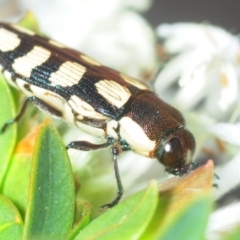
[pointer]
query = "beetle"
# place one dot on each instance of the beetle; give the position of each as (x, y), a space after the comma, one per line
(68, 84)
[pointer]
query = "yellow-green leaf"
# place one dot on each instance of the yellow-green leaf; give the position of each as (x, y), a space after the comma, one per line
(11, 225)
(190, 222)
(50, 208)
(231, 235)
(179, 198)
(84, 221)
(29, 21)
(8, 138)
(16, 183)
(127, 220)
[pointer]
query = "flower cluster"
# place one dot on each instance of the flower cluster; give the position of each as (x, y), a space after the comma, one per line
(205, 60)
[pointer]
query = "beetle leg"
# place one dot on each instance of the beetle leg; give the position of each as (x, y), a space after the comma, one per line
(39, 103)
(18, 117)
(87, 146)
(115, 152)
(44, 106)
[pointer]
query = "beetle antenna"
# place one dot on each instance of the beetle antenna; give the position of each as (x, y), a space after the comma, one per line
(197, 164)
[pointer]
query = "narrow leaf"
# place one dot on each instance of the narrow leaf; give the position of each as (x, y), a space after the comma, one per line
(84, 221)
(177, 198)
(11, 225)
(191, 222)
(8, 138)
(231, 235)
(50, 209)
(125, 221)
(29, 21)
(16, 182)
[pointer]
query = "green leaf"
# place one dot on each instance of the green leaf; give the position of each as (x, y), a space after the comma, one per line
(84, 221)
(181, 199)
(127, 220)
(29, 21)
(11, 225)
(50, 209)
(191, 222)
(18, 172)
(233, 235)
(15, 186)
(8, 138)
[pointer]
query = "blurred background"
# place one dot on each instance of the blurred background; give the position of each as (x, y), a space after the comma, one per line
(224, 13)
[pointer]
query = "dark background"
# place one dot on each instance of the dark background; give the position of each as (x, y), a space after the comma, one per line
(224, 13)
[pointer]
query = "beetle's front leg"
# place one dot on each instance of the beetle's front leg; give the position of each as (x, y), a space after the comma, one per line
(87, 146)
(116, 151)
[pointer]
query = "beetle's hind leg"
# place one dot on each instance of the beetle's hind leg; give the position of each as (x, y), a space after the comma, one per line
(18, 117)
(36, 101)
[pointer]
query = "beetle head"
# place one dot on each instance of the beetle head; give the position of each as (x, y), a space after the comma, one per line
(175, 150)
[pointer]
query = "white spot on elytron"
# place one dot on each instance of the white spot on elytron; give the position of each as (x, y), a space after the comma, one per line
(57, 44)
(135, 136)
(90, 60)
(24, 65)
(82, 108)
(69, 74)
(134, 81)
(8, 40)
(113, 92)
(23, 30)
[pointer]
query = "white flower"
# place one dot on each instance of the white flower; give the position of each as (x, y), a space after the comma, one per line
(222, 139)
(206, 63)
(223, 221)
(229, 171)
(111, 31)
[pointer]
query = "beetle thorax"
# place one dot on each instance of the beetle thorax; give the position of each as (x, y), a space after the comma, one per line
(144, 125)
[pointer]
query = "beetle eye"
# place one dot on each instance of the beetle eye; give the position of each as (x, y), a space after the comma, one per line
(175, 151)
(172, 153)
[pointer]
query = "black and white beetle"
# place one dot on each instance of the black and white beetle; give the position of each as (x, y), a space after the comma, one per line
(95, 98)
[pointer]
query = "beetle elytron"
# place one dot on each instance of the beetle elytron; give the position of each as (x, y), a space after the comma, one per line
(95, 98)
